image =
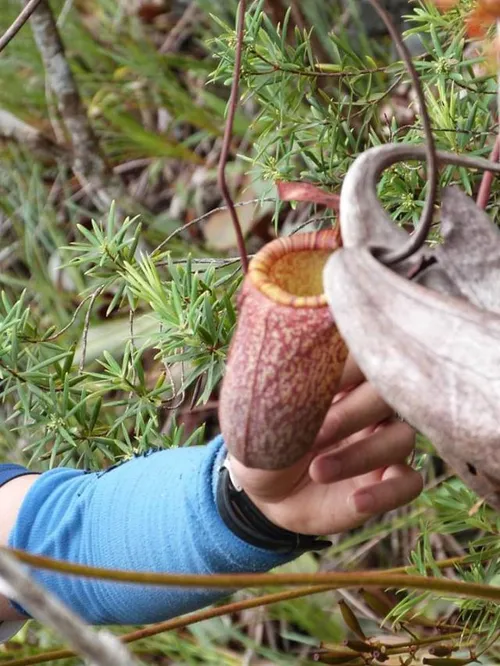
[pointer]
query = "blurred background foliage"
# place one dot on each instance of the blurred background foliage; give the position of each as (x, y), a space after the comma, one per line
(115, 323)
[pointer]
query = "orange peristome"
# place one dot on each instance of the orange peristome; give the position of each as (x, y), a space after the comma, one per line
(286, 356)
(289, 271)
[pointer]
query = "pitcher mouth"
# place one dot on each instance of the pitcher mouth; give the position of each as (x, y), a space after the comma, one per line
(289, 270)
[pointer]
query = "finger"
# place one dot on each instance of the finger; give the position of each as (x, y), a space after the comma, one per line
(352, 375)
(388, 445)
(400, 484)
(359, 409)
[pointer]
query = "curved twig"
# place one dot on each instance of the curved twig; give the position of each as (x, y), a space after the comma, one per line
(228, 131)
(205, 216)
(417, 239)
(363, 219)
(12, 31)
(86, 326)
(485, 188)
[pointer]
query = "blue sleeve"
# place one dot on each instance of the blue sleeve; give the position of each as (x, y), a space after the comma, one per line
(156, 512)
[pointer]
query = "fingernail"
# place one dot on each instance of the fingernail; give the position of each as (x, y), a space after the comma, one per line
(364, 501)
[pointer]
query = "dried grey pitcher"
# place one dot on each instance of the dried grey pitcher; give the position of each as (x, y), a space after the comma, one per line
(426, 333)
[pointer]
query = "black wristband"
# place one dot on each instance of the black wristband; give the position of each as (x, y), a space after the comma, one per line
(247, 522)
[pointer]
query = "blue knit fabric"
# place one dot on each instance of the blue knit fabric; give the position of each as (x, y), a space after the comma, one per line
(9, 471)
(153, 513)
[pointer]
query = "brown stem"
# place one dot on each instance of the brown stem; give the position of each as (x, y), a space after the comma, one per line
(12, 31)
(346, 580)
(485, 188)
(89, 164)
(228, 131)
(180, 622)
(226, 609)
(199, 616)
(418, 238)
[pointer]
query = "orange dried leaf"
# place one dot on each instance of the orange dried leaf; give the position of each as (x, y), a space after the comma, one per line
(445, 5)
(297, 191)
(482, 17)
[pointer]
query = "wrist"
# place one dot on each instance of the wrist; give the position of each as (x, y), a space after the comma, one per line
(238, 475)
(244, 517)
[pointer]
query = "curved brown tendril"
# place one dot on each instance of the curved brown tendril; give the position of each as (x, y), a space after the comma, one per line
(364, 222)
(418, 238)
(228, 131)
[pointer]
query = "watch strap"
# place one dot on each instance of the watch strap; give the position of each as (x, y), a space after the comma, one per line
(247, 522)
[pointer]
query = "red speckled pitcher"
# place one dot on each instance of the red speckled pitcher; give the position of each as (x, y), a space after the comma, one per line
(286, 357)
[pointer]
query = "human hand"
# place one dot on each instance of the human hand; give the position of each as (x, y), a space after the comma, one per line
(356, 467)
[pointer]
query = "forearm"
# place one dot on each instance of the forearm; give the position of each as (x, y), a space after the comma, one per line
(153, 513)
